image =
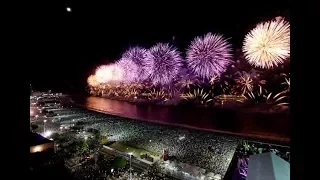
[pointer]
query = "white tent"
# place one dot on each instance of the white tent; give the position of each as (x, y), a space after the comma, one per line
(268, 166)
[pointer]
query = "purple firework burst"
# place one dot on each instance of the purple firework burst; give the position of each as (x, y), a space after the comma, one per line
(138, 55)
(130, 69)
(167, 62)
(209, 55)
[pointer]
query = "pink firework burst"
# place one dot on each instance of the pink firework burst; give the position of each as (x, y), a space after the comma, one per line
(167, 63)
(130, 70)
(209, 56)
(138, 55)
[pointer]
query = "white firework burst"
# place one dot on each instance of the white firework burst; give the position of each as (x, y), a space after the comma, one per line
(268, 44)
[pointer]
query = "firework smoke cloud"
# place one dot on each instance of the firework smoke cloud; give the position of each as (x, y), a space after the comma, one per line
(167, 63)
(138, 55)
(208, 56)
(130, 70)
(268, 44)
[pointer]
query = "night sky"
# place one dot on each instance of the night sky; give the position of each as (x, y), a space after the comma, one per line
(69, 45)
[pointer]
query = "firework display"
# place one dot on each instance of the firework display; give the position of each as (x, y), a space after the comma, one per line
(130, 70)
(92, 81)
(138, 55)
(167, 63)
(209, 55)
(161, 75)
(268, 44)
(103, 74)
(109, 73)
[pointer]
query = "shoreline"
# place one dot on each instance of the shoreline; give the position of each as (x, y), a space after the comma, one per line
(249, 136)
(247, 110)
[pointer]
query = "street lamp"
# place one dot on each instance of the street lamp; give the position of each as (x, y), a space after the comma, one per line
(44, 126)
(130, 166)
(70, 122)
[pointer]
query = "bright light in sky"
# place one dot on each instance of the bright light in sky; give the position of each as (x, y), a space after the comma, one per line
(68, 9)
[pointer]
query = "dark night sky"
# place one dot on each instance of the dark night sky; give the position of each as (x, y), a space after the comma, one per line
(70, 45)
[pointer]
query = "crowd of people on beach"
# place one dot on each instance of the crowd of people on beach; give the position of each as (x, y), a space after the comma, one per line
(103, 169)
(207, 150)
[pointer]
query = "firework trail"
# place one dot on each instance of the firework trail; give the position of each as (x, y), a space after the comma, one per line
(209, 56)
(268, 44)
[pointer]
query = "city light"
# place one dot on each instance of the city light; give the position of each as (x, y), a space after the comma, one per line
(68, 9)
(47, 133)
(130, 153)
(37, 149)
